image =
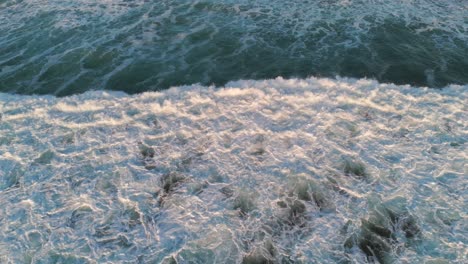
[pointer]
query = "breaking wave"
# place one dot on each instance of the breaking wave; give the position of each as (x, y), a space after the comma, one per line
(274, 171)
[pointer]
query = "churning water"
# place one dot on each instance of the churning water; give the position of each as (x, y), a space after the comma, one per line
(284, 171)
(291, 169)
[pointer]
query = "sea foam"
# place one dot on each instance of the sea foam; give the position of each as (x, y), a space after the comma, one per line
(273, 171)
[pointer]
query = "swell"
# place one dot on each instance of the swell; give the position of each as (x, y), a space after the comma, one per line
(67, 47)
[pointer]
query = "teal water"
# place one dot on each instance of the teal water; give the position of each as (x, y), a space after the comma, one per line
(238, 132)
(67, 47)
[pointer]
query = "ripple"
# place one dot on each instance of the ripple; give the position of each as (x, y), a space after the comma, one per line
(67, 47)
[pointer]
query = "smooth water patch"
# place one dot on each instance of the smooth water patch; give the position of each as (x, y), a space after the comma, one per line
(273, 171)
(67, 47)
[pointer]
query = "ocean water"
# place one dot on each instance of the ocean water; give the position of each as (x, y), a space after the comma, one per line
(276, 171)
(65, 47)
(233, 131)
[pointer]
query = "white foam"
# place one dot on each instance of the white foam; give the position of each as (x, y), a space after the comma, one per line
(78, 185)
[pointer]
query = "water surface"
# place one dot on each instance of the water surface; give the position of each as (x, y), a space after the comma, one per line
(67, 47)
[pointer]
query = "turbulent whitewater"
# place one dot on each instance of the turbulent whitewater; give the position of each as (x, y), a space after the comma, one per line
(64, 47)
(276, 171)
(142, 131)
